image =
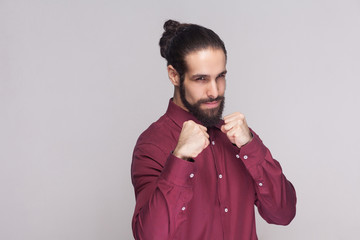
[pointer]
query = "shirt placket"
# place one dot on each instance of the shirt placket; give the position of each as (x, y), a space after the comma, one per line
(221, 182)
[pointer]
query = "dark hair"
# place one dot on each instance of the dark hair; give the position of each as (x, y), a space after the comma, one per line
(178, 40)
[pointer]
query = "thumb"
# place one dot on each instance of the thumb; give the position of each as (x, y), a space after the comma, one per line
(223, 128)
(207, 142)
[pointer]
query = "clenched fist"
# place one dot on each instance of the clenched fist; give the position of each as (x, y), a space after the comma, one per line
(192, 141)
(236, 129)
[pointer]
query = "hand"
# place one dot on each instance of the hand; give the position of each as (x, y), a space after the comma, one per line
(192, 141)
(236, 129)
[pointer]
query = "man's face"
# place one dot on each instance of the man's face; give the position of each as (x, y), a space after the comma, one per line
(202, 90)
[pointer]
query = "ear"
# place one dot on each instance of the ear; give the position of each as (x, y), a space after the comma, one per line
(173, 76)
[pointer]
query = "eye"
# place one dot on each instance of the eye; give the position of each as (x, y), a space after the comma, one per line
(222, 75)
(201, 78)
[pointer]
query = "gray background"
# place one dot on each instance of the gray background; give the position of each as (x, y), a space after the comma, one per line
(80, 80)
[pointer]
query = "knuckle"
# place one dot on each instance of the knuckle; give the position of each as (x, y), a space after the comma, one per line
(240, 115)
(189, 122)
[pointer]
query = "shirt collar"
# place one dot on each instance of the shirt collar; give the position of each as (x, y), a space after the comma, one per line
(179, 115)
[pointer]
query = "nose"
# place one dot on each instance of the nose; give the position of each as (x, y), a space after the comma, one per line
(212, 89)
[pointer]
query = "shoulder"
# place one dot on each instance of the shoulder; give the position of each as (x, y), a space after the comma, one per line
(162, 134)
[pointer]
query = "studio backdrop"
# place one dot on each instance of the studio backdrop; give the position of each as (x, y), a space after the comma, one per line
(80, 80)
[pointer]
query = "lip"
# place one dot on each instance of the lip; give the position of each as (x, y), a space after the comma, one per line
(212, 104)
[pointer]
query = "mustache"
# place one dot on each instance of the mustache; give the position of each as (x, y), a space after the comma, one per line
(219, 98)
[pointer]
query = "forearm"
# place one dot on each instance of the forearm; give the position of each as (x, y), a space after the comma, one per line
(276, 197)
(161, 204)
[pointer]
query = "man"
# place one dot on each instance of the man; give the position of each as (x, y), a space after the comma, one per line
(195, 175)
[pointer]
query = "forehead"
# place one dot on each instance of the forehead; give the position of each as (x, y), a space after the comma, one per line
(206, 61)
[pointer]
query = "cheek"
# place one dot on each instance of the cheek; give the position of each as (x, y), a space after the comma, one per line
(222, 87)
(190, 95)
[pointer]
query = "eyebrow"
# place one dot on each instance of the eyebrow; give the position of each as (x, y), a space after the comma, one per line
(223, 72)
(205, 75)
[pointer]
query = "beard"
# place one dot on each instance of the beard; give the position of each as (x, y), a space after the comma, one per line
(208, 117)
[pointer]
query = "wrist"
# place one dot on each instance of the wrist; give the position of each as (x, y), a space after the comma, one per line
(247, 141)
(178, 155)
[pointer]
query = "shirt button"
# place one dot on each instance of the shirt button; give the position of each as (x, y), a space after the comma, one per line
(260, 184)
(183, 208)
(226, 209)
(245, 157)
(237, 156)
(192, 175)
(213, 142)
(220, 175)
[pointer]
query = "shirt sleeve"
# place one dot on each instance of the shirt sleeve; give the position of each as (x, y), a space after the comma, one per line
(163, 188)
(275, 195)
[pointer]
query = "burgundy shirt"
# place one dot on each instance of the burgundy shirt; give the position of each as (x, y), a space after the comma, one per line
(210, 198)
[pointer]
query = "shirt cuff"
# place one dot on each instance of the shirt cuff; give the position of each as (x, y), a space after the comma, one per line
(253, 153)
(178, 171)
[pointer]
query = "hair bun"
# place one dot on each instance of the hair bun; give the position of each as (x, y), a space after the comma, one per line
(171, 27)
